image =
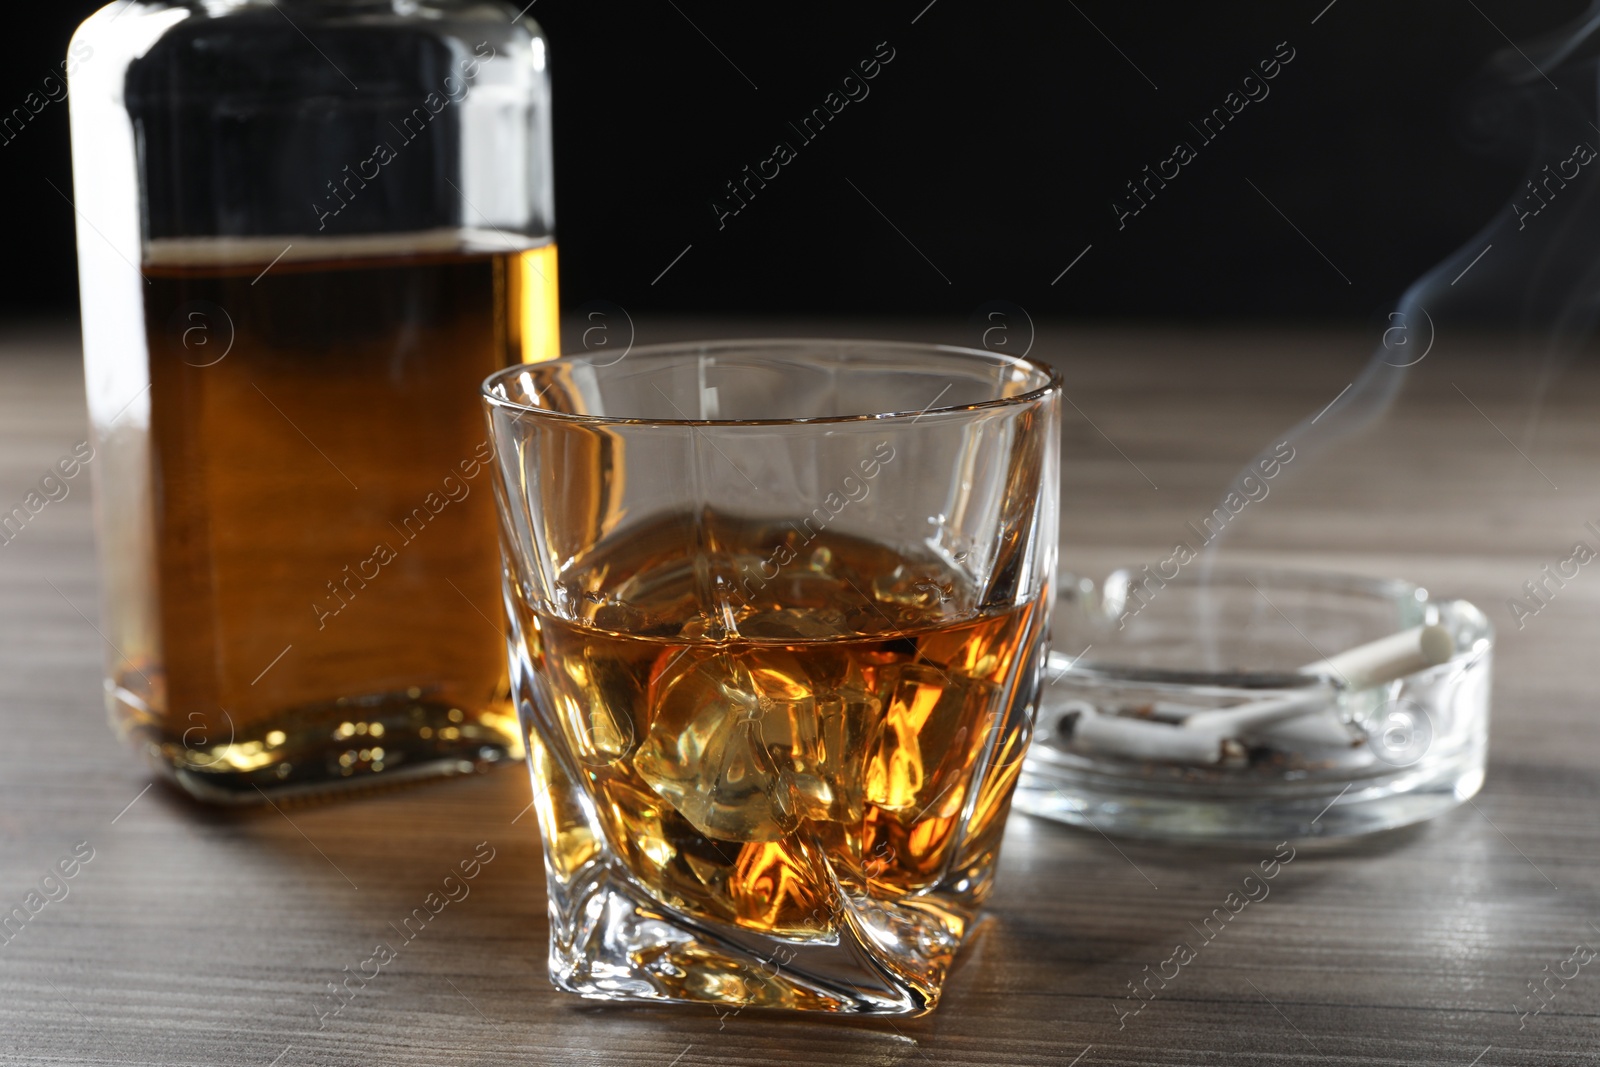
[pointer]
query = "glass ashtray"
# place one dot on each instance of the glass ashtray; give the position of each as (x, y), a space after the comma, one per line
(1229, 706)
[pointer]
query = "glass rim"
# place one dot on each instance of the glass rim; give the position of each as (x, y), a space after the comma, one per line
(1395, 592)
(1052, 383)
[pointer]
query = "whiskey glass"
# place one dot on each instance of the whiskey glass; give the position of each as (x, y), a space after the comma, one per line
(778, 614)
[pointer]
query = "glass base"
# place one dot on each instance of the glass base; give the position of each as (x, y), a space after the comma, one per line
(349, 745)
(1260, 813)
(611, 941)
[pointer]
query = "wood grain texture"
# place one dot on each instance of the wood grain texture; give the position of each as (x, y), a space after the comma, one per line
(202, 937)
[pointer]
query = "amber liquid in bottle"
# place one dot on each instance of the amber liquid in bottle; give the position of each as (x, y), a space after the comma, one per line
(325, 555)
(854, 718)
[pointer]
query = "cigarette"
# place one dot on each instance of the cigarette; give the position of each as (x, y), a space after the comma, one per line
(1313, 731)
(1091, 733)
(1255, 714)
(1387, 658)
(1375, 663)
(1210, 736)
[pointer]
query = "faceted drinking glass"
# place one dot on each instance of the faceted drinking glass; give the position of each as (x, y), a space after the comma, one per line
(778, 614)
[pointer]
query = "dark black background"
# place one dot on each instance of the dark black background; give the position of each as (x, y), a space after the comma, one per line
(994, 142)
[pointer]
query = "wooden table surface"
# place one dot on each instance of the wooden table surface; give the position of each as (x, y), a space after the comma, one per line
(197, 936)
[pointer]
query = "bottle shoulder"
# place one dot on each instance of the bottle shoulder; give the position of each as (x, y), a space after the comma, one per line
(344, 52)
(227, 29)
(502, 12)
